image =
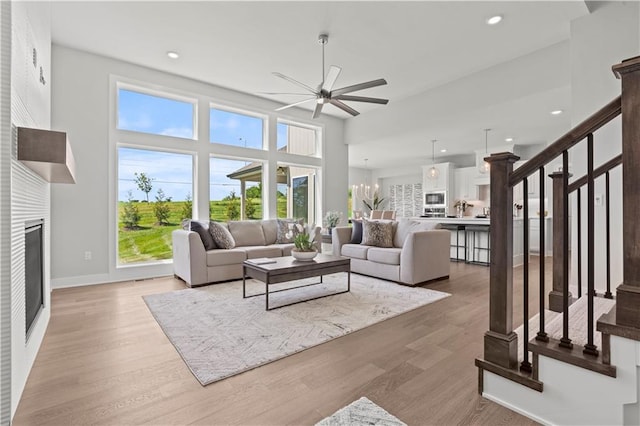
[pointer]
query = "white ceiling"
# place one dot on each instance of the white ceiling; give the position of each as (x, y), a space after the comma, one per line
(416, 46)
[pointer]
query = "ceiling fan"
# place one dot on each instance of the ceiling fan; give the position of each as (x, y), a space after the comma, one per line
(325, 94)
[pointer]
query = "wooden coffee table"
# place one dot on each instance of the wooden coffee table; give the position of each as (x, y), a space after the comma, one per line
(288, 269)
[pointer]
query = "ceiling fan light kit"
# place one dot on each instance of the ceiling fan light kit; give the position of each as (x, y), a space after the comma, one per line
(325, 94)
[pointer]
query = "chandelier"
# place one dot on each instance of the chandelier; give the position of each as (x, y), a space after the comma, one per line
(363, 191)
(484, 168)
(433, 172)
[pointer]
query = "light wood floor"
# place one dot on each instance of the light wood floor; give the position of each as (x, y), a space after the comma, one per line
(105, 360)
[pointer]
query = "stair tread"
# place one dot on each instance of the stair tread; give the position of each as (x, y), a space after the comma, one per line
(577, 323)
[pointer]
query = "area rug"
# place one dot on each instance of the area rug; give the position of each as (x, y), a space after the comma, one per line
(220, 334)
(361, 412)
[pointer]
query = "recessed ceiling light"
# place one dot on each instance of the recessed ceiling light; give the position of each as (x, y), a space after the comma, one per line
(443, 150)
(508, 140)
(173, 55)
(494, 20)
(556, 112)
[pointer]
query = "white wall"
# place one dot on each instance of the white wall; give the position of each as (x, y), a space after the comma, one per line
(82, 214)
(30, 107)
(598, 41)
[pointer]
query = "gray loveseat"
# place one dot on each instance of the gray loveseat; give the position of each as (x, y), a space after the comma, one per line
(420, 253)
(253, 238)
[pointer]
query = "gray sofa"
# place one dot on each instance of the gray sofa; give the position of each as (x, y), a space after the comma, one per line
(420, 253)
(253, 239)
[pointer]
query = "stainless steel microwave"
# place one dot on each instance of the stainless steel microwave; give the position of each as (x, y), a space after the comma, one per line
(435, 198)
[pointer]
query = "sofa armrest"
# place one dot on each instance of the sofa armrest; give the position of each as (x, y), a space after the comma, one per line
(425, 256)
(340, 236)
(189, 257)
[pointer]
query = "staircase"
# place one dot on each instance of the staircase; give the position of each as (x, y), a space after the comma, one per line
(577, 359)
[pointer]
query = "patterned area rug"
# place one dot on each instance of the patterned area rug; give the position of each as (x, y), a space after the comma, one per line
(220, 334)
(361, 412)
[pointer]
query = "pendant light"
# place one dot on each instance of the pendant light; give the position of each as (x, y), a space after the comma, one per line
(433, 172)
(484, 168)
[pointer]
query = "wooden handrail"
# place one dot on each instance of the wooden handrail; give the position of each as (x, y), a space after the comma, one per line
(575, 135)
(615, 161)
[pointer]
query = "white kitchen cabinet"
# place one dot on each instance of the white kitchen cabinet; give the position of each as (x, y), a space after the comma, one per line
(534, 235)
(465, 185)
(442, 182)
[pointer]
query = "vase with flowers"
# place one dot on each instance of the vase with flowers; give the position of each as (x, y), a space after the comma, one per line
(331, 220)
(305, 249)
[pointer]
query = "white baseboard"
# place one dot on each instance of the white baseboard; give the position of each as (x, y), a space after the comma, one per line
(514, 408)
(128, 273)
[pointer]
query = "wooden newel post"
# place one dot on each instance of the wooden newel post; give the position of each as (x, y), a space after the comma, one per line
(560, 263)
(628, 293)
(500, 342)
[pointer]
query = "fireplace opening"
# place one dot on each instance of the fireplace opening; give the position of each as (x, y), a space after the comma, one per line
(34, 271)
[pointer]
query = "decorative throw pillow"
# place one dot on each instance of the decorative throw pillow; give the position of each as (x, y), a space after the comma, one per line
(221, 236)
(377, 233)
(356, 231)
(284, 228)
(205, 236)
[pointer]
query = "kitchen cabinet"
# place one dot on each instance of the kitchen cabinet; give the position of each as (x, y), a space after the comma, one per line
(534, 235)
(442, 182)
(533, 185)
(465, 185)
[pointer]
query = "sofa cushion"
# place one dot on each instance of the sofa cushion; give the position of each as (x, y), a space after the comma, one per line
(357, 251)
(390, 256)
(247, 232)
(356, 231)
(270, 230)
(221, 235)
(285, 248)
(225, 257)
(377, 233)
(202, 229)
(283, 230)
(406, 226)
(261, 251)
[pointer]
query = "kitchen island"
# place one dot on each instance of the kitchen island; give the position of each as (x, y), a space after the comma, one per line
(470, 238)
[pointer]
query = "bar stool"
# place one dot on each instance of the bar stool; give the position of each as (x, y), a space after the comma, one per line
(457, 229)
(475, 246)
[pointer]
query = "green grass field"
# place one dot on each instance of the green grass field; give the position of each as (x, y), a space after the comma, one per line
(153, 242)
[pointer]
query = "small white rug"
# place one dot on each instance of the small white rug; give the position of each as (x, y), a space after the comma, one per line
(220, 334)
(361, 412)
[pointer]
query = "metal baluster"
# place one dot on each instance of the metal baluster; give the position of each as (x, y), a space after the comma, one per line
(579, 242)
(608, 294)
(565, 341)
(525, 365)
(542, 336)
(589, 347)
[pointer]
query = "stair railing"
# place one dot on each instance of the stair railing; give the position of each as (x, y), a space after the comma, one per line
(500, 341)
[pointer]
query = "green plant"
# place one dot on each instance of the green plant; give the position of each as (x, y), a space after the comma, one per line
(130, 215)
(233, 206)
(332, 219)
(187, 207)
(144, 183)
(249, 208)
(301, 239)
(161, 209)
(376, 202)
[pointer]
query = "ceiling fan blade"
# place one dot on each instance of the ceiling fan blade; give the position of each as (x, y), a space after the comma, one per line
(344, 107)
(361, 86)
(361, 99)
(282, 93)
(332, 76)
(316, 112)
(291, 80)
(295, 104)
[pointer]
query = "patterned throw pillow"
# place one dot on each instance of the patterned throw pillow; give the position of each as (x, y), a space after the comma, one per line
(356, 231)
(377, 233)
(221, 235)
(283, 229)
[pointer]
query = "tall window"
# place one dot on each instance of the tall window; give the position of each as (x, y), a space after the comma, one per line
(297, 139)
(232, 128)
(235, 189)
(141, 112)
(154, 195)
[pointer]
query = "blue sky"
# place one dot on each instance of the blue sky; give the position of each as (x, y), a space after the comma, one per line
(174, 172)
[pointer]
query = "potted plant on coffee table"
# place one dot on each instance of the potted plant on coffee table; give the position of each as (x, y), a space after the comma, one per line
(304, 250)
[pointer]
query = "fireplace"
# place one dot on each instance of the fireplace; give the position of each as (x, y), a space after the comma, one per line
(34, 271)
